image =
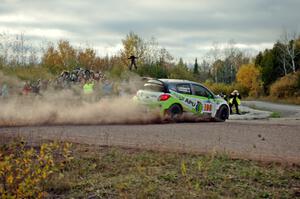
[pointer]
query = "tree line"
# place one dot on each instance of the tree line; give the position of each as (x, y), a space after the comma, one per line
(221, 65)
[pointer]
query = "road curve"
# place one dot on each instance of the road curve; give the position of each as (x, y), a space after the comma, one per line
(260, 140)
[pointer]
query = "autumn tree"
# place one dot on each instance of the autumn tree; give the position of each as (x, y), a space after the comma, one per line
(249, 76)
(289, 49)
(67, 54)
(165, 58)
(16, 50)
(51, 59)
(87, 58)
(204, 71)
(214, 57)
(226, 62)
(62, 57)
(217, 70)
(132, 45)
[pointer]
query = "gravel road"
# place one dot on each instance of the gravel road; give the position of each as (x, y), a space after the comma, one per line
(271, 140)
(285, 110)
(254, 140)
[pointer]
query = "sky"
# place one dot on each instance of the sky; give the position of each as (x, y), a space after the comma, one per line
(186, 28)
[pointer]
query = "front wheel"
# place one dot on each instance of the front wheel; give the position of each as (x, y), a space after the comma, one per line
(222, 114)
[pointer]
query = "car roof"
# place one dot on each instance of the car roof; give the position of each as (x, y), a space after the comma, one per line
(167, 81)
(177, 81)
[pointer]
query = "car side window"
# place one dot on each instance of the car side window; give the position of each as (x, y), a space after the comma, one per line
(184, 89)
(201, 91)
(172, 87)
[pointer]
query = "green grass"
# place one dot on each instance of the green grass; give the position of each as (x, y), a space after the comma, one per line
(128, 173)
(275, 115)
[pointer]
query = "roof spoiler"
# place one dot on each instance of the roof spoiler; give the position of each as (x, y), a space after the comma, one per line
(147, 78)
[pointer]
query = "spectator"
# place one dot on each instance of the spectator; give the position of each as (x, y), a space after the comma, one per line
(26, 88)
(88, 87)
(235, 99)
(35, 87)
(4, 91)
(107, 87)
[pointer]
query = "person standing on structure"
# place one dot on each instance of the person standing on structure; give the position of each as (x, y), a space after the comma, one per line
(132, 62)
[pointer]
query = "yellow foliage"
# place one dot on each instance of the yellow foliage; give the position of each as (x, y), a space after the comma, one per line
(183, 168)
(249, 76)
(133, 45)
(10, 179)
(24, 171)
(287, 86)
(64, 57)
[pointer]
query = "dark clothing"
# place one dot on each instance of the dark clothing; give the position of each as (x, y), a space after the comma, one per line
(236, 108)
(235, 97)
(133, 62)
(234, 100)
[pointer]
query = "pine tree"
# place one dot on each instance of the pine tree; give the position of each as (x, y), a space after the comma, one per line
(196, 67)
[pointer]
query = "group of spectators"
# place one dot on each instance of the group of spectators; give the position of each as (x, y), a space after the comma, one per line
(79, 80)
(78, 76)
(92, 82)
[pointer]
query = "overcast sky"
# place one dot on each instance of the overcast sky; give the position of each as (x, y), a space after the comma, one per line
(187, 28)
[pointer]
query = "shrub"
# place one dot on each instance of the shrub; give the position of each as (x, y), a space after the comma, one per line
(152, 70)
(287, 86)
(24, 171)
(28, 73)
(116, 72)
(218, 88)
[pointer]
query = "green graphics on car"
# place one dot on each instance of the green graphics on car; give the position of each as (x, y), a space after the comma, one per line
(175, 97)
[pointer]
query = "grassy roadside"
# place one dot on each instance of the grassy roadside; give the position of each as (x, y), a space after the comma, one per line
(103, 172)
(275, 115)
(127, 173)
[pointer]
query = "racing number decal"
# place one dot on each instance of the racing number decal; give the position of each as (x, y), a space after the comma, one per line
(207, 107)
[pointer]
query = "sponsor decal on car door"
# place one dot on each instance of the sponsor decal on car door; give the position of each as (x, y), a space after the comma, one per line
(202, 95)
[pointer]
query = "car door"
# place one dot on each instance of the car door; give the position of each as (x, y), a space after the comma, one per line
(183, 93)
(205, 103)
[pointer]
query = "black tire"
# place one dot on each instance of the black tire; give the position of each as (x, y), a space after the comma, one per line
(222, 114)
(174, 113)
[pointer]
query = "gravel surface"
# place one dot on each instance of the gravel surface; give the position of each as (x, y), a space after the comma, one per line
(285, 110)
(250, 114)
(255, 140)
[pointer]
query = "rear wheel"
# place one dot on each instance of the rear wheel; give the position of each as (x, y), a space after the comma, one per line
(222, 114)
(174, 112)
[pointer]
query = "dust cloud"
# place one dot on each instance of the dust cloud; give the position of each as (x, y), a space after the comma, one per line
(55, 107)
